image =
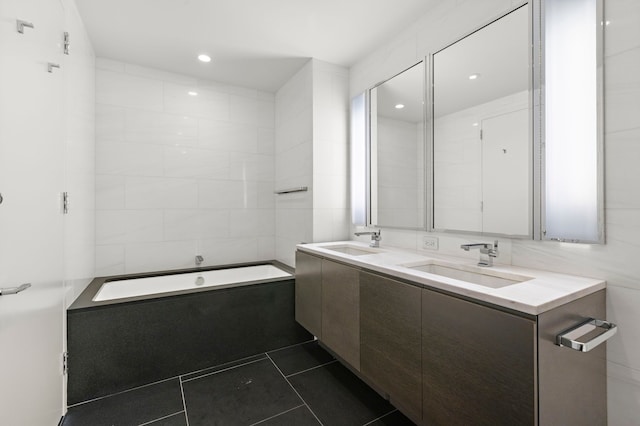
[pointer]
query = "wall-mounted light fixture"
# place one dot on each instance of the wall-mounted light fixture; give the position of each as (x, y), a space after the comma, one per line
(573, 173)
(359, 160)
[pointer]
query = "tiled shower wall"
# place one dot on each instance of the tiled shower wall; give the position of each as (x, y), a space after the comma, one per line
(617, 260)
(183, 167)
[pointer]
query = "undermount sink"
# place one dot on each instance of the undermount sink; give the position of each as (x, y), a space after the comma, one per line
(352, 250)
(486, 278)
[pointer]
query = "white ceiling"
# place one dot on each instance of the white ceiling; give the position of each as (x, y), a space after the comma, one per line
(406, 88)
(499, 53)
(254, 43)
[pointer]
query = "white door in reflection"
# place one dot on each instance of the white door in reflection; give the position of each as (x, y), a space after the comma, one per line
(31, 223)
(506, 174)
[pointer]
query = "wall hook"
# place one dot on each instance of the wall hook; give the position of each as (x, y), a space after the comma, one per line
(51, 66)
(67, 43)
(20, 25)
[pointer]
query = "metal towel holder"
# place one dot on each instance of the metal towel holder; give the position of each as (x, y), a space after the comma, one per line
(290, 190)
(569, 338)
(14, 290)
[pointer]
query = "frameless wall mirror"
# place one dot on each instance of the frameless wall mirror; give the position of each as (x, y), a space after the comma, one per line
(481, 130)
(397, 151)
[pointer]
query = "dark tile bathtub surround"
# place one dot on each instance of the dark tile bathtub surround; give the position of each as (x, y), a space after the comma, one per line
(315, 390)
(119, 346)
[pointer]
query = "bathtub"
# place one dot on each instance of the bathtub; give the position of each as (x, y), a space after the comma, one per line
(131, 330)
(163, 284)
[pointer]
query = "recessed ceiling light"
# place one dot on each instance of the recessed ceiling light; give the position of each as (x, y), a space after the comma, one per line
(474, 76)
(399, 106)
(193, 93)
(475, 124)
(204, 58)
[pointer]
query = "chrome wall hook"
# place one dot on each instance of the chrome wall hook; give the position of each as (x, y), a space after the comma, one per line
(51, 66)
(20, 25)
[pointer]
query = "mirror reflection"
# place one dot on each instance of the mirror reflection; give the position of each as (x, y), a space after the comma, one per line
(482, 153)
(397, 149)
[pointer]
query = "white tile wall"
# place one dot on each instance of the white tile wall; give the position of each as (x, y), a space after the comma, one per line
(617, 260)
(294, 163)
(400, 190)
(180, 174)
(311, 150)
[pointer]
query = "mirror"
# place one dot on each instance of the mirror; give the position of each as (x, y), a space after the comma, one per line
(397, 151)
(482, 131)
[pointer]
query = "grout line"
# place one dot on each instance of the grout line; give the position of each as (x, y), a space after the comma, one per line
(292, 346)
(121, 392)
(279, 414)
(191, 373)
(184, 403)
(312, 368)
(384, 415)
(179, 377)
(160, 418)
(295, 390)
(224, 369)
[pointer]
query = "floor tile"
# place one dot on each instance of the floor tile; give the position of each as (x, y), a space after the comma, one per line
(338, 397)
(300, 357)
(220, 367)
(238, 396)
(133, 407)
(178, 419)
(393, 419)
(300, 416)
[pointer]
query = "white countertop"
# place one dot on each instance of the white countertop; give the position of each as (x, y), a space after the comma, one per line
(540, 292)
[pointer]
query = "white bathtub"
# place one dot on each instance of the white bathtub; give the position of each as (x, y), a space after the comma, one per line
(122, 289)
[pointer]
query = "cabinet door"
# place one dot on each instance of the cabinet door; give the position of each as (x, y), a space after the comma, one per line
(390, 340)
(309, 292)
(478, 364)
(341, 311)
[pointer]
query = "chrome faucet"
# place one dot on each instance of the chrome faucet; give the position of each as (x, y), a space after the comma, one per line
(375, 237)
(487, 252)
(199, 260)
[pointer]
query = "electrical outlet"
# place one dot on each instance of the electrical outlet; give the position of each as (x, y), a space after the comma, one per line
(430, 243)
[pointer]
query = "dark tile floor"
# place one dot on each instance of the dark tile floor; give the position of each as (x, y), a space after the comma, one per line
(299, 385)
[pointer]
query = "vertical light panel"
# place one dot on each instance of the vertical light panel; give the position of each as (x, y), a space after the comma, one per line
(358, 160)
(571, 185)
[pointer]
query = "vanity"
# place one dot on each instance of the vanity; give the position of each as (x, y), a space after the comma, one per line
(448, 342)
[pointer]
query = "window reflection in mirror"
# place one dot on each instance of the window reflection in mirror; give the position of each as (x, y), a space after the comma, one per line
(397, 150)
(482, 152)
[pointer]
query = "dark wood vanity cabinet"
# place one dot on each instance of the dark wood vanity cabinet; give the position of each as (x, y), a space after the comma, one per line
(328, 304)
(390, 352)
(341, 311)
(309, 292)
(478, 364)
(445, 360)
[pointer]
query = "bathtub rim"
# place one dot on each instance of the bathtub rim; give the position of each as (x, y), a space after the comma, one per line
(85, 299)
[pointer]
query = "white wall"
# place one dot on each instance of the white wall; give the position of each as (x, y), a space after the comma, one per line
(617, 260)
(311, 150)
(294, 163)
(180, 175)
(330, 152)
(79, 151)
(400, 173)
